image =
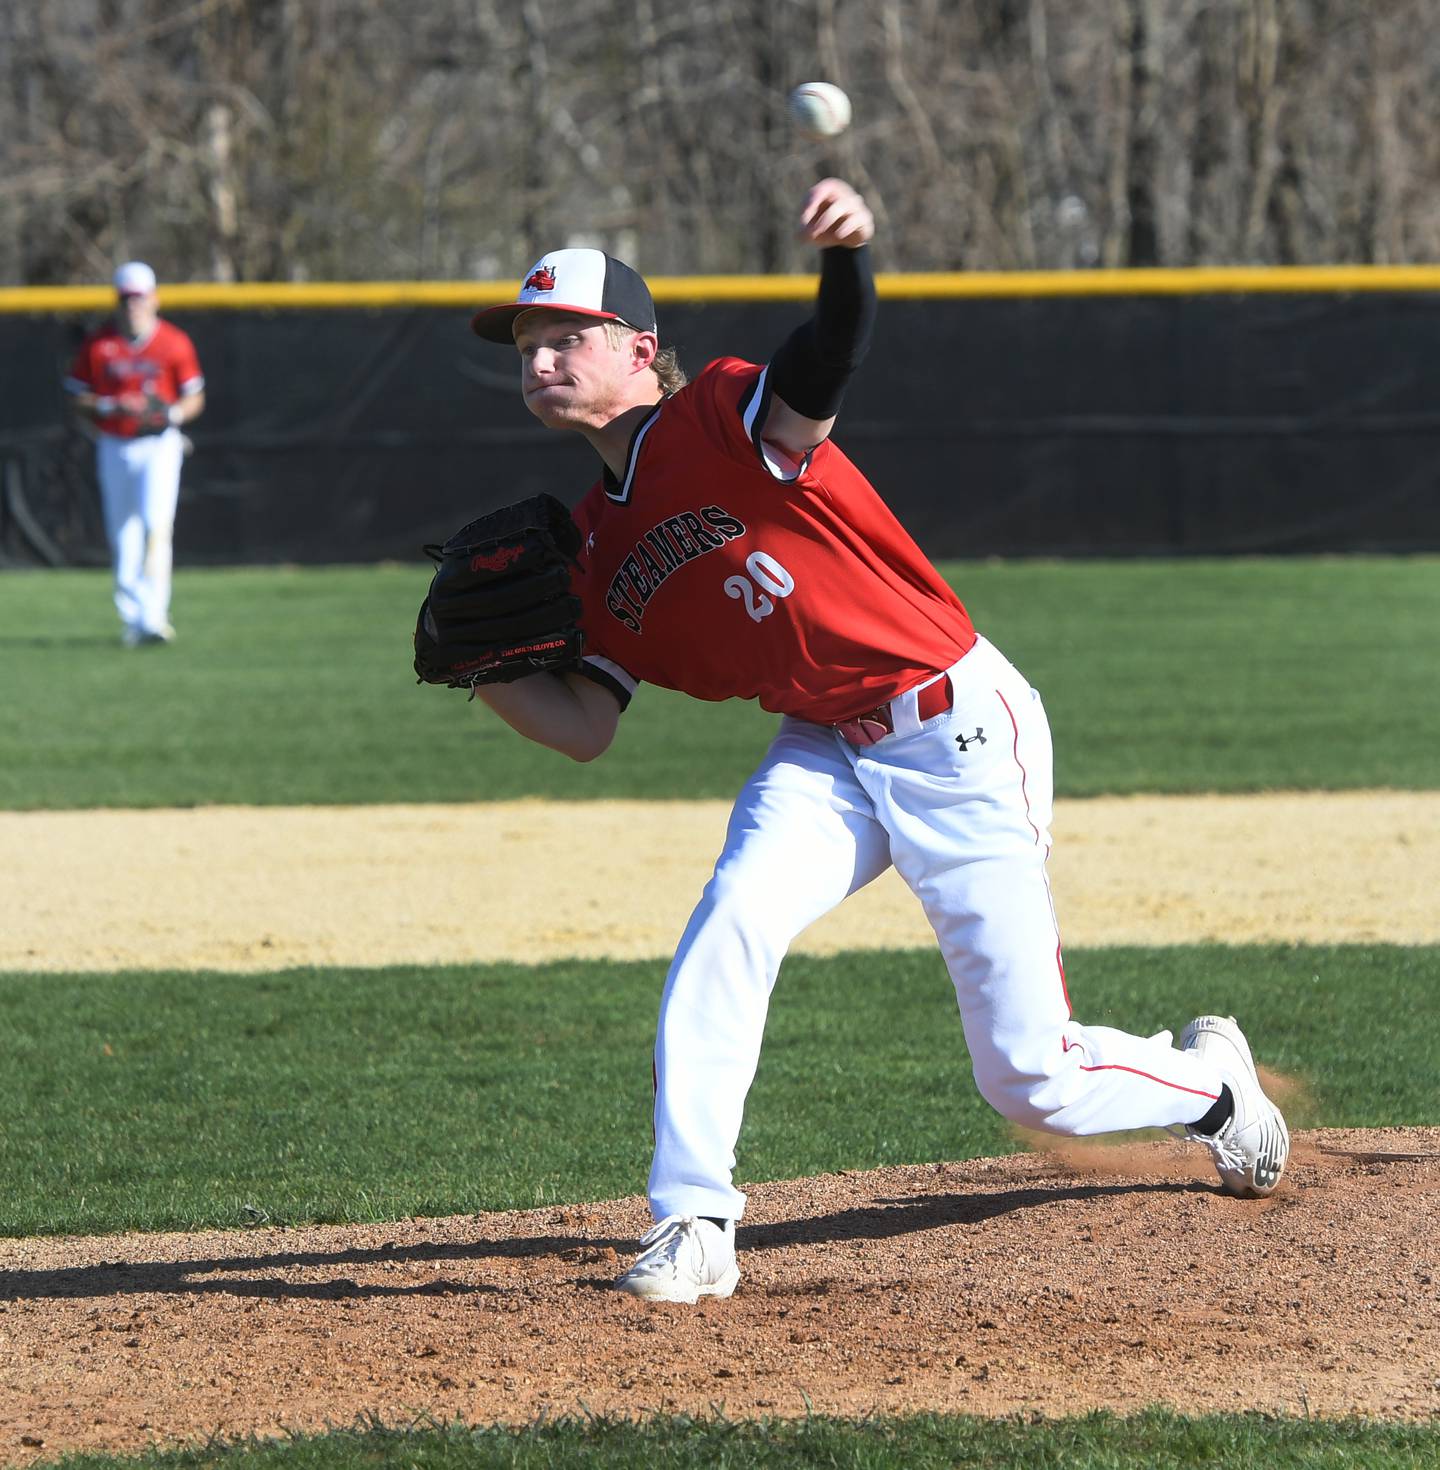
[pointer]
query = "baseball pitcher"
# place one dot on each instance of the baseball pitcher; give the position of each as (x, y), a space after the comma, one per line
(729, 549)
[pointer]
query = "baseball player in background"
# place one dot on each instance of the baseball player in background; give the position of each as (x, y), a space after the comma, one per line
(138, 380)
(731, 550)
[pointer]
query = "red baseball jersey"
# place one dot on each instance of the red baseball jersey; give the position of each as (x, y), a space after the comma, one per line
(111, 365)
(720, 569)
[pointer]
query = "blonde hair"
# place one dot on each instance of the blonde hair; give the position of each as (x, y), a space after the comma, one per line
(666, 365)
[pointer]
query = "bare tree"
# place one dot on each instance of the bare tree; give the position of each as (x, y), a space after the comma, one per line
(357, 139)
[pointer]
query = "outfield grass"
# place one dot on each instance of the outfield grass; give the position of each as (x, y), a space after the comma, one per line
(1154, 1440)
(294, 686)
(178, 1101)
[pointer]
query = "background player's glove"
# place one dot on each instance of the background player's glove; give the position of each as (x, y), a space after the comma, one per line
(150, 409)
(499, 605)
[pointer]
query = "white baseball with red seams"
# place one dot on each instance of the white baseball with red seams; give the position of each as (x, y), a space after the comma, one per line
(819, 109)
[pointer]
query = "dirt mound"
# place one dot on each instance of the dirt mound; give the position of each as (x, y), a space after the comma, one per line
(1100, 1276)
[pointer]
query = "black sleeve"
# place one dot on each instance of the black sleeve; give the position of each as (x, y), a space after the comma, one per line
(597, 675)
(813, 366)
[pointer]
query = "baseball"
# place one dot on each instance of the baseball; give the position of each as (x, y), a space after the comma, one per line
(819, 109)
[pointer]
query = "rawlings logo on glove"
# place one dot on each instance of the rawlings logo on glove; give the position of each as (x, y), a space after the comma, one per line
(495, 561)
(499, 606)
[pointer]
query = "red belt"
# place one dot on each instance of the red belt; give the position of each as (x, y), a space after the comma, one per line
(875, 724)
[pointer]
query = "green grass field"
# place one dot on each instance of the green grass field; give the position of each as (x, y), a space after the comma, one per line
(180, 1100)
(294, 686)
(1150, 1441)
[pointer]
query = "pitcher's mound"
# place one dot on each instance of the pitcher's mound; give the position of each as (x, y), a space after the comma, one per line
(1110, 1277)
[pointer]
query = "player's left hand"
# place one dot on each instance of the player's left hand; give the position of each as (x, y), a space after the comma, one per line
(834, 214)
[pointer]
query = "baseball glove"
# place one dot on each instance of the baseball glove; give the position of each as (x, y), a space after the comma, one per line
(152, 411)
(499, 605)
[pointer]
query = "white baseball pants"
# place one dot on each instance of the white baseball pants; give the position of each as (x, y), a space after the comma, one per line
(139, 488)
(966, 823)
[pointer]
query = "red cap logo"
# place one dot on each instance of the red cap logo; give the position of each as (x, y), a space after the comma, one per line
(542, 278)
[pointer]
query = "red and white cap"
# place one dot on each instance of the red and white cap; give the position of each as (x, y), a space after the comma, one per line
(578, 283)
(134, 278)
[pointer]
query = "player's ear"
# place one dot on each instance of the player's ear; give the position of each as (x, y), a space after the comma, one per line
(644, 348)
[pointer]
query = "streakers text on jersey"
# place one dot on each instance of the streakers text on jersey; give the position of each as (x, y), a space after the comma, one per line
(663, 549)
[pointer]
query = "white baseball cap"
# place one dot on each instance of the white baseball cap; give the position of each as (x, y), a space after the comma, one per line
(579, 283)
(134, 278)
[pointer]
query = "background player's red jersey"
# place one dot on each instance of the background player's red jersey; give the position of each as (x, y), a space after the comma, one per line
(109, 364)
(707, 571)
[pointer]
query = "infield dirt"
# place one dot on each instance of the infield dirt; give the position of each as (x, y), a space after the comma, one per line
(263, 888)
(1051, 1282)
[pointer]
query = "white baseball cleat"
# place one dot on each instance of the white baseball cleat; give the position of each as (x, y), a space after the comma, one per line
(682, 1259)
(1251, 1149)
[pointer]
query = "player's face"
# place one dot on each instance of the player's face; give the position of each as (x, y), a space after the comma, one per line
(570, 375)
(137, 312)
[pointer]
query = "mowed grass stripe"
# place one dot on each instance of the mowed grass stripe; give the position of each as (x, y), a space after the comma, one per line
(293, 686)
(1153, 1440)
(179, 1101)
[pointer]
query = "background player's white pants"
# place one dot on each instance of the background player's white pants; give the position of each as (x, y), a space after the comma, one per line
(139, 487)
(968, 830)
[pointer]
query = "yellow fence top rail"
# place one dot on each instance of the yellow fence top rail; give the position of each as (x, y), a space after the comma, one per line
(922, 285)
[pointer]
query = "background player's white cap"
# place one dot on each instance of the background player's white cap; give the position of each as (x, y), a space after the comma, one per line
(579, 283)
(134, 278)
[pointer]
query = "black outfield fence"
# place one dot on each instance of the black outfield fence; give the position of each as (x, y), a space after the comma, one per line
(1101, 414)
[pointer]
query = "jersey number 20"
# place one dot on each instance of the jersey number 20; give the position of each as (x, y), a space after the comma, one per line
(769, 575)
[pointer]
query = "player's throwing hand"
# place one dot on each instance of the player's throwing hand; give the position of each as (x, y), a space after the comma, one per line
(834, 214)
